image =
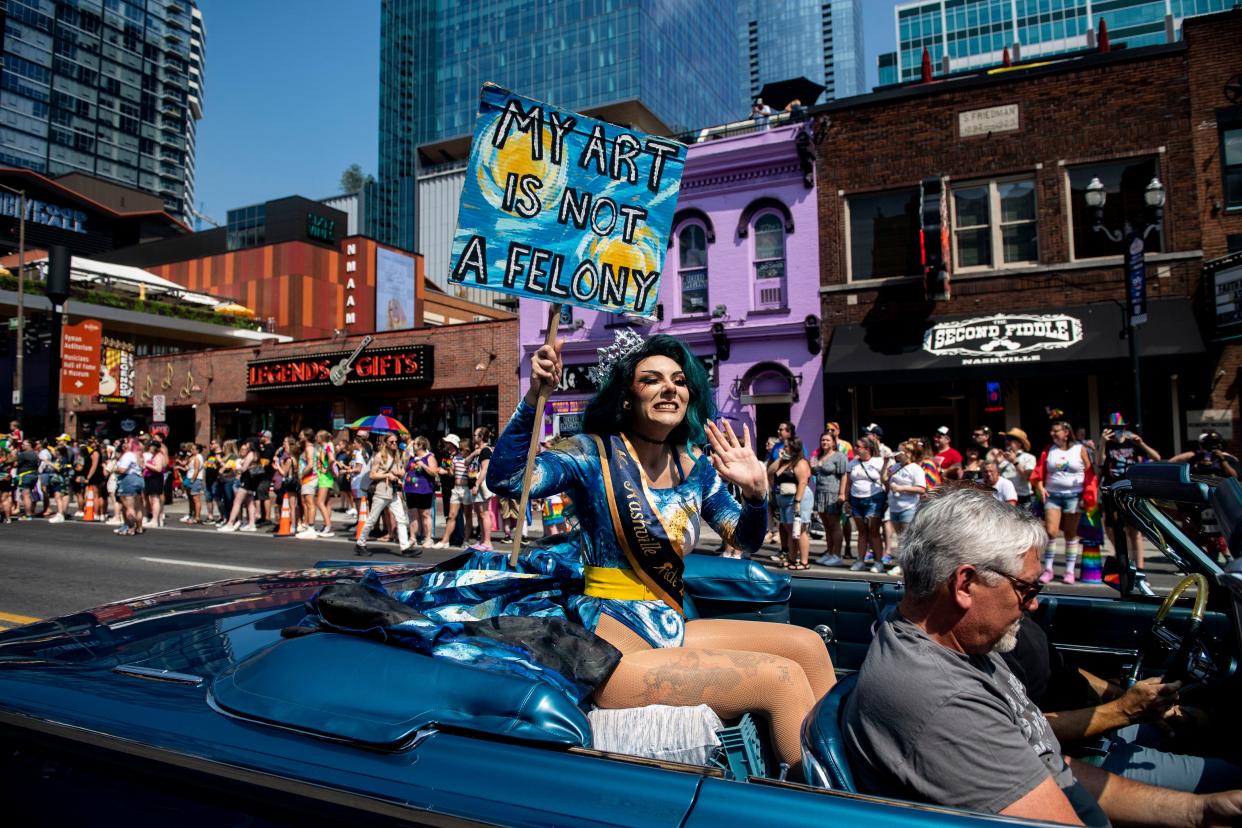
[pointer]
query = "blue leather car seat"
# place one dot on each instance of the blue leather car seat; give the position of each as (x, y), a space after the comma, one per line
(823, 740)
(717, 587)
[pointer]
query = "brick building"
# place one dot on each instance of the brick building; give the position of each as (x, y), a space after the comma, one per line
(989, 171)
(434, 380)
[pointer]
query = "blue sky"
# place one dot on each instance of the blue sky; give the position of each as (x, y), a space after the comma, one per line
(292, 96)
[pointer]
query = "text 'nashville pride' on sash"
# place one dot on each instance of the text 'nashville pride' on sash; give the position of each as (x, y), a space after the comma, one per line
(564, 208)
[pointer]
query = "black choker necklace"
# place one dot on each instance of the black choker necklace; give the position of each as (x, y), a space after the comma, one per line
(646, 439)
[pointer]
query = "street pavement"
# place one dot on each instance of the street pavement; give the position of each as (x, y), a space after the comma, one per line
(56, 569)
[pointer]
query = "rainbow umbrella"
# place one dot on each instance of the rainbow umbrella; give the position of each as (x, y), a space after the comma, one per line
(380, 424)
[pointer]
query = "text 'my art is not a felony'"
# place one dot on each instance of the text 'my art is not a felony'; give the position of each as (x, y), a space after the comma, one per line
(564, 208)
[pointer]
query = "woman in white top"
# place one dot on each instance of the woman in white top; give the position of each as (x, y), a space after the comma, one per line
(864, 483)
(1063, 478)
(129, 487)
(907, 482)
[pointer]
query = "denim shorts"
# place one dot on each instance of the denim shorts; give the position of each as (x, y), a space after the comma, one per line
(194, 487)
(785, 504)
(1066, 503)
(903, 517)
(129, 485)
(868, 507)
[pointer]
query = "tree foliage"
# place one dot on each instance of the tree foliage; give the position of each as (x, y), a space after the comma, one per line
(353, 179)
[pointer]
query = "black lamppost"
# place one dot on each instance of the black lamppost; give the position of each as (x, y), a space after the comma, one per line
(1154, 197)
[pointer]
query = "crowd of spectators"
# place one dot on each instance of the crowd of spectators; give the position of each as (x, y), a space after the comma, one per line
(863, 493)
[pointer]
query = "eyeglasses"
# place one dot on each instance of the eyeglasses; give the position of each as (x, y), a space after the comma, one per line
(1026, 590)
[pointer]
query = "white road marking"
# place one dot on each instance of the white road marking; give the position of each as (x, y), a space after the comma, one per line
(202, 565)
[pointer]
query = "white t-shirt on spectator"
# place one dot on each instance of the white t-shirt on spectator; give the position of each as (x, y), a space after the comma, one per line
(1025, 461)
(362, 479)
(866, 481)
(129, 464)
(1004, 491)
(911, 474)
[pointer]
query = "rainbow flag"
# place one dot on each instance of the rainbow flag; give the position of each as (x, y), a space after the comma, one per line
(1091, 533)
(932, 473)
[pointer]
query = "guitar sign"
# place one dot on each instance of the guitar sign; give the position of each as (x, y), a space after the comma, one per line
(340, 371)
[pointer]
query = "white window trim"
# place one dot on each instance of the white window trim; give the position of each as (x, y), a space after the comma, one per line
(994, 223)
(681, 313)
(848, 241)
(754, 258)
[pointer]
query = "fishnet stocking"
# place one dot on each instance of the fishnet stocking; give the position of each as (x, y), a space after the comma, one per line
(792, 642)
(731, 682)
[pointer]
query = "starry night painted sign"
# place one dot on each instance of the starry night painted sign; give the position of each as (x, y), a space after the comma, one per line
(564, 208)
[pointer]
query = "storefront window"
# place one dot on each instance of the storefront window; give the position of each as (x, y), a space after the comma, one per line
(884, 235)
(995, 217)
(1124, 185)
(692, 268)
(435, 415)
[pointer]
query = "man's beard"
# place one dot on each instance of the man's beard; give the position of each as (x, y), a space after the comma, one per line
(1009, 640)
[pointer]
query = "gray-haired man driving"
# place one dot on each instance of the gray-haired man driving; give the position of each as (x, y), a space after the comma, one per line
(938, 717)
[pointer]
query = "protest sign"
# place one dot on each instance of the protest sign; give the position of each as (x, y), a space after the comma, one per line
(564, 208)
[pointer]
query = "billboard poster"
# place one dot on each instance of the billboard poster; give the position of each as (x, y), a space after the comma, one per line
(394, 291)
(116, 371)
(564, 208)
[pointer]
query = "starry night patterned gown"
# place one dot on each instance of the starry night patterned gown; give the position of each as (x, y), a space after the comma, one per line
(573, 466)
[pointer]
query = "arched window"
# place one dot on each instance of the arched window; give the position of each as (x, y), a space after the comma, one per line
(692, 268)
(769, 261)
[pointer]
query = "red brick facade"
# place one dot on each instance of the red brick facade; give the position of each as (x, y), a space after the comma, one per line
(1150, 103)
(201, 387)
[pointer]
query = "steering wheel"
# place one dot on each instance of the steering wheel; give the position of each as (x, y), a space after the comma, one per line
(1160, 637)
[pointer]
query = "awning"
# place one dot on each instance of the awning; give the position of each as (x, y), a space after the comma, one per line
(1006, 344)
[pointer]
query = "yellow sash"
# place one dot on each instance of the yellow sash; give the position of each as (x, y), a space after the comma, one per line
(617, 584)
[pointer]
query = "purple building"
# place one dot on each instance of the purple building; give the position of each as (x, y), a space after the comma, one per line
(740, 286)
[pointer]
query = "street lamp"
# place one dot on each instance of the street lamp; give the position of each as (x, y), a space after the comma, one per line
(18, 373)
(1154, 197)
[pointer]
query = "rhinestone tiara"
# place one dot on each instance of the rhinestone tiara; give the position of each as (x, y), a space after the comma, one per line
(624, 343)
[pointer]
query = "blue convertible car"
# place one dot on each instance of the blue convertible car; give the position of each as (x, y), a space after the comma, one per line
(196, 707)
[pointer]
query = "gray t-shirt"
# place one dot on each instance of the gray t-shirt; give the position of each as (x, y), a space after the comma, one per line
(828, 471)
(930, 724)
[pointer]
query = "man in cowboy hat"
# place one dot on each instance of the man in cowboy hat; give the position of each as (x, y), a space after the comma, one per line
(1016, 464)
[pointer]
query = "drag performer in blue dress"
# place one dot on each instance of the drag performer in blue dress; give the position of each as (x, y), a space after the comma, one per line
(641, 486)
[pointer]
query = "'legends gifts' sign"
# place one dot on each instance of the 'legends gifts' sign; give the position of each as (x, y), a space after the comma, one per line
(564, 208)
(406, 363)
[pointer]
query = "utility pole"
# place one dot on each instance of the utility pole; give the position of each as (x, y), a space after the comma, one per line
(18, 380)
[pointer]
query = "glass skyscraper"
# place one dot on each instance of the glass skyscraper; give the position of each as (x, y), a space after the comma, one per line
(678, 60)
(110, 88)
(975, 33)
(820, 40)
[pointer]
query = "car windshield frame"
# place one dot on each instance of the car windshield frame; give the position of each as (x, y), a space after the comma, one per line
(1171, 539)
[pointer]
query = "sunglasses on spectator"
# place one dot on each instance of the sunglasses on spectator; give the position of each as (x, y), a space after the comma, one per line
(1027, 591)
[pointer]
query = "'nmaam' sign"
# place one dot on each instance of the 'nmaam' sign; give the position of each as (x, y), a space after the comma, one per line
(564, 208)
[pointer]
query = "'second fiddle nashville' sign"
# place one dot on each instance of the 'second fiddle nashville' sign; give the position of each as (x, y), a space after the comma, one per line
(1003, 338)
(404, 363)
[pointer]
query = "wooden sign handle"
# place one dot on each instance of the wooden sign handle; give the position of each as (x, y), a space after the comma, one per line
(554, 318)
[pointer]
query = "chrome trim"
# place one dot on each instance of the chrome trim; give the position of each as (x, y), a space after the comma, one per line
(157, 675)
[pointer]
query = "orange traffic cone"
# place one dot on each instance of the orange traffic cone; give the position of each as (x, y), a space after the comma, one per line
(362, 518)
(285, 529)
(88, 512)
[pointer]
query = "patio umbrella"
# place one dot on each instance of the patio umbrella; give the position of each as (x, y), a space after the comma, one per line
(380, 424)
(234, 309)
(779, 93)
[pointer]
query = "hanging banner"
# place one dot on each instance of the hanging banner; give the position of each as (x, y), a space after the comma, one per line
(564, 208)
(79, 358)
(1136, 279)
